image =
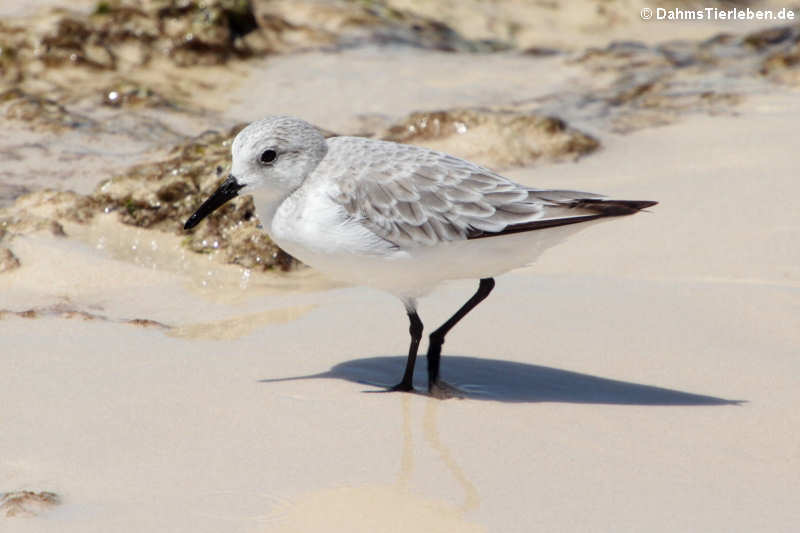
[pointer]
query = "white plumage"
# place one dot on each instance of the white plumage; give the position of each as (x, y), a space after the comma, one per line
(397, 217)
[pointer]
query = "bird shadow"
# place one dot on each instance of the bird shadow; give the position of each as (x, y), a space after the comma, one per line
(507, 381)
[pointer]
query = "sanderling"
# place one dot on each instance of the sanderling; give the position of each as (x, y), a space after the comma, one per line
(397, 217)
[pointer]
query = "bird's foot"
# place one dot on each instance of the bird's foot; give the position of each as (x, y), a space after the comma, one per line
(441, 390)
(400, 387)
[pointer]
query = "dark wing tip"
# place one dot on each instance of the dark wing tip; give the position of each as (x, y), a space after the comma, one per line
(613, 207)
(531, 226)
(602, 208)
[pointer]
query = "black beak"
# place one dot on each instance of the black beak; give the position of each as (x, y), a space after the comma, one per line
(229, 189)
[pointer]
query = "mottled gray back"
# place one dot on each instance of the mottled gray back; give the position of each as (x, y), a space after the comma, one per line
(414, 196)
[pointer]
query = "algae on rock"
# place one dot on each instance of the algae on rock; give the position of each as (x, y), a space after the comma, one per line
(495, 138)
(163, 195)
(27, 502)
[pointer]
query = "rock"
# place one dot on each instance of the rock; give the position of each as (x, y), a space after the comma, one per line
(498, 139)
(27, 502)
(8, 261)
(163, 195)
(782, 62)
(12, 40)
(779, 63)
(125, 35)
(771, 36)
(39, 112)
(352, 23)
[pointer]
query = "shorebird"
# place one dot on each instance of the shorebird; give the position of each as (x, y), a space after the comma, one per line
(398, 217)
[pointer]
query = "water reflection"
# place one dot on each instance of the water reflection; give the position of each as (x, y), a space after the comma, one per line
(388, 507)
(430, 428)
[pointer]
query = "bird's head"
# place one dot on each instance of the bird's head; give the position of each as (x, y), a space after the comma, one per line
(271, 157)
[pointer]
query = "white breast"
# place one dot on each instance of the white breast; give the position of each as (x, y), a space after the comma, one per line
(318, 231)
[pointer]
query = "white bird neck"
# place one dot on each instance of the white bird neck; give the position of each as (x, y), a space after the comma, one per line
(267, 202)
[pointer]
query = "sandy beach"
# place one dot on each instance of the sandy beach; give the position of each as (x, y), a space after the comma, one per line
(641, 376)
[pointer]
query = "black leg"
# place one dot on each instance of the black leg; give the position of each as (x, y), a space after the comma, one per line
(415, 329)
(437, 337)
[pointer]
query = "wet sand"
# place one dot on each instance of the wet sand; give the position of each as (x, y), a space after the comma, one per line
(604, 383)
(640, 376)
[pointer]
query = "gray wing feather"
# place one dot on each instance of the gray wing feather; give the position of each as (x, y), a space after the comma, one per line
(413, 196)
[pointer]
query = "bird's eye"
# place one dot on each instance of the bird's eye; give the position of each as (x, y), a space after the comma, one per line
(268, 156)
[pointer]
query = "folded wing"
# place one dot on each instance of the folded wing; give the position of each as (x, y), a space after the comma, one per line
(418, 197)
